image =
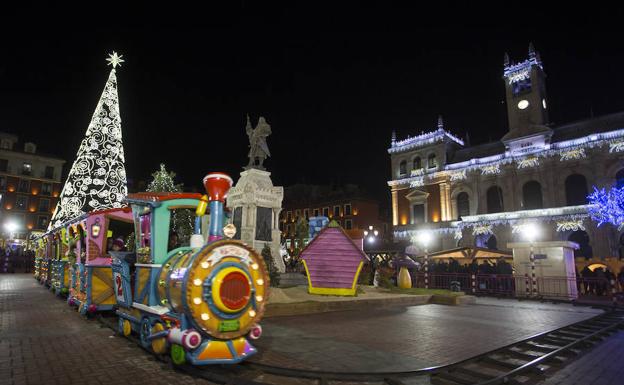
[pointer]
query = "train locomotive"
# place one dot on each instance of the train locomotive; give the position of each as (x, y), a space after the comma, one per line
(201, 303)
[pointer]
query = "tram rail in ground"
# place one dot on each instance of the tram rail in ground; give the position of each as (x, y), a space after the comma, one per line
(518, 363)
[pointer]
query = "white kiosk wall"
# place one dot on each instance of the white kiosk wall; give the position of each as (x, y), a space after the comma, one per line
(554, 268)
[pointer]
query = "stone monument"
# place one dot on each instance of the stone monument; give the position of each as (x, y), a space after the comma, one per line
(254, 201)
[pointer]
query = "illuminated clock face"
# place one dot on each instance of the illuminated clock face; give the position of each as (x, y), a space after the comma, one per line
(544, 103)
(523, 104)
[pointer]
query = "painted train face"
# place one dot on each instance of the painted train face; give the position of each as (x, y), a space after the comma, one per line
(222, 289)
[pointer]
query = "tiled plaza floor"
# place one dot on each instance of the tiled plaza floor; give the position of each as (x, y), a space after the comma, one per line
(44, 341)
(406, 338)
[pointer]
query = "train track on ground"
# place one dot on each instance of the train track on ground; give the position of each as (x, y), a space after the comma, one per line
(522, 362)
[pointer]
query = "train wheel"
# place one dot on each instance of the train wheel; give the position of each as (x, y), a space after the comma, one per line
(125, 327)
(178, 355)
(159, 345)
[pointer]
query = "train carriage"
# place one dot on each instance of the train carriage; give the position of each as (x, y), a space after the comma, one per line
(91, 287)
(200, 303)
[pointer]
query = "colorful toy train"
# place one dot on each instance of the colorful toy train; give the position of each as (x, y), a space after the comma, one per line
(199, 303)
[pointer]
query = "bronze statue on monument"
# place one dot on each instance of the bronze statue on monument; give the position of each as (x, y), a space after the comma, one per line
(258, 148)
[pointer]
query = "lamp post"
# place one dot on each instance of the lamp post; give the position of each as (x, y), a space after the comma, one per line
(424, 237)
(530, 231)
(370, 237)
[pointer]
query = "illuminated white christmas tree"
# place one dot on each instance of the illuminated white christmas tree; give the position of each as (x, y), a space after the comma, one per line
(97, 179)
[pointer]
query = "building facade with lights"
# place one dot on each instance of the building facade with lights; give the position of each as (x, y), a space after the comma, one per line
(30, 184)
(537, 173)
(348, 206)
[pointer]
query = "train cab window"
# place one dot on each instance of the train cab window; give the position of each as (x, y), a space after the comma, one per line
(181, 228)
(142, 226)
(119, 233)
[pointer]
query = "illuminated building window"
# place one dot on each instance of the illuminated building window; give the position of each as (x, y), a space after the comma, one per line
(306, 214)
(347, 209)
(49, 172)
(42, 222)
(316, 212)
(432, 162)
(336, 211)
(24, 186)
(44, 205)
(326, 212)
(27, 168)
(416, 164)
(21, 202)
(46, 189)
(402, 168)
(348, 224)
(418, 214)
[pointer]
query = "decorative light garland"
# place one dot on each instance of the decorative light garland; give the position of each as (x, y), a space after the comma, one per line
(616, 146)
(573, 154)
(417, 182)
(491, 169)
(482, 230)
(417, 172)
(570, 225)
(458, 175)
(531, 161)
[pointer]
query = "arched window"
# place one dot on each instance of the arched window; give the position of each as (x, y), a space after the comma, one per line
(619, 179)
(532, 195)
(576, 190)
(463, 205)
(584, 250)
(494, 200)
(417, 164)
(431, 161)
(403, 168)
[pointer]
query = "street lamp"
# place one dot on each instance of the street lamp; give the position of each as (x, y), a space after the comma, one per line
(530, 232)
(424, 238)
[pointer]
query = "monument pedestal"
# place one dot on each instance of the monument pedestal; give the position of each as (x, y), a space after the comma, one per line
(554, 269)
(256, 205)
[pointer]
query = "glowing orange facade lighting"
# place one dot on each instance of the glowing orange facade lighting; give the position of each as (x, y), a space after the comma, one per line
(11, 188)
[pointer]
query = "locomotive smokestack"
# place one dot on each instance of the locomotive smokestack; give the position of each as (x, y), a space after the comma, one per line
(217, 186)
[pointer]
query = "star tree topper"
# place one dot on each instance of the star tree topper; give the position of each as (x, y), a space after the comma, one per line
(114, 59)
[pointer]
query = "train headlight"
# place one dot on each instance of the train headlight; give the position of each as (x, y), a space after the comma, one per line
(231, 290)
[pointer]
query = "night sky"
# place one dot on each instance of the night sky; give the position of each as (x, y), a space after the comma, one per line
(332, 80)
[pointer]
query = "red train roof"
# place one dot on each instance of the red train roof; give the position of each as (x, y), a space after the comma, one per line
(163, 196)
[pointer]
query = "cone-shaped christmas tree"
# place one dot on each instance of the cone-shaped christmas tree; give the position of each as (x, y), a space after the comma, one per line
(97, 179)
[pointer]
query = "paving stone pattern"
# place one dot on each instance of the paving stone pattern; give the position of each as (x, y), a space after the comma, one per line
(44, 341)
(406, 338)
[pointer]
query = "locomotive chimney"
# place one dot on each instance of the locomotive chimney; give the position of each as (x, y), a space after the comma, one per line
(217, 186)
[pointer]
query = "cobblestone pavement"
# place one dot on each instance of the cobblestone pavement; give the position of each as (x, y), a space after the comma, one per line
(603, 365)
(44, 341)
(406, 338)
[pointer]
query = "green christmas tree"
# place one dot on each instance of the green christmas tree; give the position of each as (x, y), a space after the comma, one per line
(182, 219)
(97, 179)
(274, 275)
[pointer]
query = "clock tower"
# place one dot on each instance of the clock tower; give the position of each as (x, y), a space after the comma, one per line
(525, 92)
